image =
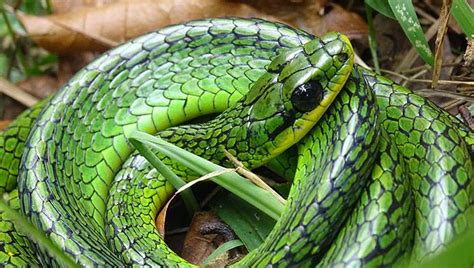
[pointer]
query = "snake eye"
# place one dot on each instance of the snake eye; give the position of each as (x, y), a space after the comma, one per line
(343, 57)
(307, 96)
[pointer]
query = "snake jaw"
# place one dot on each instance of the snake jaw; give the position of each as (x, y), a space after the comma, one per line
(319, 71)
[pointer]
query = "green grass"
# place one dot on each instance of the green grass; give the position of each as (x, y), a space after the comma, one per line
(404, 12)
(464, 16)
(20, 57)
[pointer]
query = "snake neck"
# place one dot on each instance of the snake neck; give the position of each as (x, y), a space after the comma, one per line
(229, 131)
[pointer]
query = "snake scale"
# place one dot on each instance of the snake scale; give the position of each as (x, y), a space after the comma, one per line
(384, 174)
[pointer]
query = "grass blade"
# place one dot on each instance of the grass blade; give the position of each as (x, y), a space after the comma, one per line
(406, 17)
(187, 195)
(221, 250)
(250, 225)
(382, 6)
(231, 181)
(464, 16)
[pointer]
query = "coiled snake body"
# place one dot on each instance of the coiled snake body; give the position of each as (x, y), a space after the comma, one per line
(384, 173)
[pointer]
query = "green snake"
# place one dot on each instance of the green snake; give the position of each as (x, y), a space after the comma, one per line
(381, 172)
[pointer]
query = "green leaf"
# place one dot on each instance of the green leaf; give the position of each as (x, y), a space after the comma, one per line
(248, 223)
(187, 195)
(36, 7)
(406, 16)
(221, 250)
(382, 6)
(4, 65)
(232, 181)
(464, 16)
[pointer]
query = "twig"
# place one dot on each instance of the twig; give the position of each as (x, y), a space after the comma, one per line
(415, 76)
(251, 176)
(16, 93)
(453, 103)
(445, 93)
(439, 43)
(441, 82)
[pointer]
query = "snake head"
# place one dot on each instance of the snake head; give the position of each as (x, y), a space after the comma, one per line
(300, 84)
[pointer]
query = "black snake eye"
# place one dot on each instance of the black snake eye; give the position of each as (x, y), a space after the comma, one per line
(307, 96)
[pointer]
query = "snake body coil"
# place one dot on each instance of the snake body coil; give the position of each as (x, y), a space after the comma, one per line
(384, 173)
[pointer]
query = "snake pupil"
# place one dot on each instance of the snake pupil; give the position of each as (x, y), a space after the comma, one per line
(307, 96)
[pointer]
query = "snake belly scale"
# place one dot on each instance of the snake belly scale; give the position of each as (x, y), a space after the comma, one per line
(382, 175)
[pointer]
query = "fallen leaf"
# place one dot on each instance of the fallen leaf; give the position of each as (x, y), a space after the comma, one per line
(160, 220)
(98, 29)
(205, 234)
(4, 124)
(62, 6)
(89, 28)
(316, 17)
(335, 18)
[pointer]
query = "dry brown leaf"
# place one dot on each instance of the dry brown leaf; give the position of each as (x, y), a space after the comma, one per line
(316, 17)
(98, 29)
(205, 234)
(4, 124)
(335, 18)
(62, 6)
(160, 220)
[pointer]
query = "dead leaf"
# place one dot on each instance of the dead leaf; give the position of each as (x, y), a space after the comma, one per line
(335, 18)
(98, 29)
(205, 234)
(62, 6)
(316, 17)
(4, 124)
(160, 220)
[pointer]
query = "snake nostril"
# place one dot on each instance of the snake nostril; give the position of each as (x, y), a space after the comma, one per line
(342, 57)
